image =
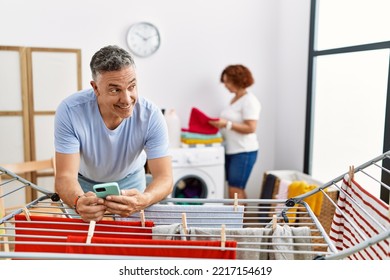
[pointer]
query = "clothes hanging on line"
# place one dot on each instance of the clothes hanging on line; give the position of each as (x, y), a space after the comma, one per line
(358, 224)
(167, 232)
(197, 215)
(54, 229)
(252, 240)
(260, 243)
(152, 248)
(288, 240)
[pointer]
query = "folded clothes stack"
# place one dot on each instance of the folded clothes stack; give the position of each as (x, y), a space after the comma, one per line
(199, 130)
(198, 138)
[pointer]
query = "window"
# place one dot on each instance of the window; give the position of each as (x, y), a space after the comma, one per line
(348, 86)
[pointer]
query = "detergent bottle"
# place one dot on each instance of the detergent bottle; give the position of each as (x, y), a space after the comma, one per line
(174, 128)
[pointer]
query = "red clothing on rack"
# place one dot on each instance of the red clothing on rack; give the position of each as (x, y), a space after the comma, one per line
(152, 248)
(54, 229)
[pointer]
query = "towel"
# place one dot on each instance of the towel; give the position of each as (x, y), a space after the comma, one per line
(268, 186)
(54, 229)
(345, 234)
(282, 193)
(196, 215)
(201, 141)
(151, 248)
(269, 181)
(167, 232)
(289, 241)
(282, 241)
(283, 189)
(190, 135)
(302, 241)
(199, 123)
(253, 241)
(314, 201)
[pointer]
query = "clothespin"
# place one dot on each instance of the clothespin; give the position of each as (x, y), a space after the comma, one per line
(223, 236)
(26, 213)
(274, 222)
(91, 230)
(142, 216)
(6, 245)
(351, 173)
(184, 223)
(235, 202)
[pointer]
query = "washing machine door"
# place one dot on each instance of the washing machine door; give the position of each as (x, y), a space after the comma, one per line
(191, 183)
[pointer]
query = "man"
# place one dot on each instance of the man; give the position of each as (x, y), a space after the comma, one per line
(106, 134)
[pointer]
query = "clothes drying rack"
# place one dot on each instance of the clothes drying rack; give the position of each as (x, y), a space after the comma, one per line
(191, 228)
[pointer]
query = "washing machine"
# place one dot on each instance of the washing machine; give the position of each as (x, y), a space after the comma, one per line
(198, 172)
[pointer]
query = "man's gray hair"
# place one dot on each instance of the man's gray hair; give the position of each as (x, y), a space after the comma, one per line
(110, 58)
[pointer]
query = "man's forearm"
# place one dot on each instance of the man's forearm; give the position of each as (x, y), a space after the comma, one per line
(68, 190)
(159, 188)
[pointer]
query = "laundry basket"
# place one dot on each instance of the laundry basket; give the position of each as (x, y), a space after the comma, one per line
(276, 182)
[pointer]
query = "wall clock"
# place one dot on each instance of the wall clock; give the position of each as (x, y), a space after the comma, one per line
(143, 39)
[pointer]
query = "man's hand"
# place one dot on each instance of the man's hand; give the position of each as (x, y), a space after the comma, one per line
(90, 207)
(129, 202)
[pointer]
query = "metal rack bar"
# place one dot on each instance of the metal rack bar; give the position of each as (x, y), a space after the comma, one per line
(262, 226)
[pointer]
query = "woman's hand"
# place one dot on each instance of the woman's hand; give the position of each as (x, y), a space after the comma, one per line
(221, 123)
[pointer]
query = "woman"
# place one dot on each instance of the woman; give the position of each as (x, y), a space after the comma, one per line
(238, 126)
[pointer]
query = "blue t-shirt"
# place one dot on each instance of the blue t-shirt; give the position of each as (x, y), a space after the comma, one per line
(109, 155)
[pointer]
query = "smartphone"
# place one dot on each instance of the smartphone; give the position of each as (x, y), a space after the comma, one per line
(105, 189)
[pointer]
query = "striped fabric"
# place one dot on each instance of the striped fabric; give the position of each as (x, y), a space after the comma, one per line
(358, 226)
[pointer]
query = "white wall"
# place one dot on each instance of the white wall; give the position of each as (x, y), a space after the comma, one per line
(291, 83)
(199, 38)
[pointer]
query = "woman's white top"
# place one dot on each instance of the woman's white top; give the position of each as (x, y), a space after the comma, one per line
(247, 107)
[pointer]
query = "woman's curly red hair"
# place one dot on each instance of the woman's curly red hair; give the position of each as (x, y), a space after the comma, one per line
(239, 75)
